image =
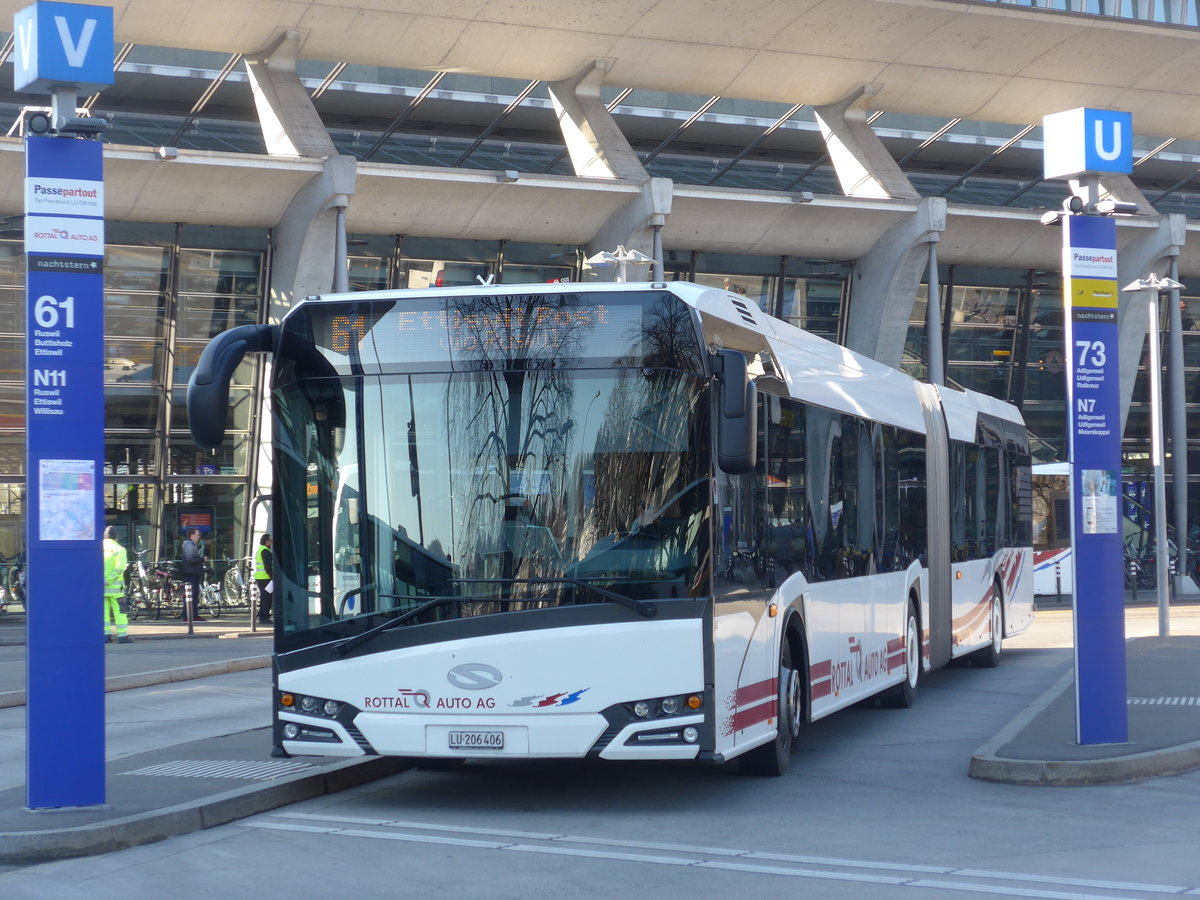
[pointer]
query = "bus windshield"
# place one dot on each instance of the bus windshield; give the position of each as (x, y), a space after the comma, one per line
(503, 475)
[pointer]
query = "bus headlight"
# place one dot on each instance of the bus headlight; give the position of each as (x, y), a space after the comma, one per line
(659, 707)
(291, 731)
(691, 734)
(311, 706)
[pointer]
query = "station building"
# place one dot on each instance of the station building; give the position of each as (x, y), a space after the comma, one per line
(836, 162)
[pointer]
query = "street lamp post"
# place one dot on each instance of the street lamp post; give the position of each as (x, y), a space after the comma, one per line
(1153, 286)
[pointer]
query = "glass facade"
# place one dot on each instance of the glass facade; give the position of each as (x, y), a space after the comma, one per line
(1003, 336)
(164, 301)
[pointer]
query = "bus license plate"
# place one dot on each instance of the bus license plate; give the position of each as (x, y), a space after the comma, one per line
(476, 740)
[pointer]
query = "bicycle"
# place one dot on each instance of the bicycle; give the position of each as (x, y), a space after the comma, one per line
(14, 580)
(236, 583)
(141, 589)
(6, 596)
(209, 604)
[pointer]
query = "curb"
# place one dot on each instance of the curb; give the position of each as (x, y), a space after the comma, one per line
(157, 825)
(1070, 773)
(987, 766)
(161, 676)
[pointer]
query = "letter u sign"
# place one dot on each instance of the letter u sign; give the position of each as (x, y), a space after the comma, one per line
(1084, 140)
(1108, 140)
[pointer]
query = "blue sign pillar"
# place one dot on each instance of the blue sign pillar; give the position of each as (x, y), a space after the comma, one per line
(65, 48)
(1094, 411)
(1086, 142)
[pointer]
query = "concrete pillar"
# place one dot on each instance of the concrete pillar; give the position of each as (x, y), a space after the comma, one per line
(863, 165)
(308, 244)
(885, 283)
(597, 147)
(290, 124)
(1150, 252)
(304, 240)
(635, 226)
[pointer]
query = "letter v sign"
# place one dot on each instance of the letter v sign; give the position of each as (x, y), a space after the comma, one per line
(25, 44)
(76, 53)
(62, 44)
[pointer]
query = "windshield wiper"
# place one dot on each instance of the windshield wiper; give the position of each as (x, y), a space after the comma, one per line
(343, 647)
(641, 607)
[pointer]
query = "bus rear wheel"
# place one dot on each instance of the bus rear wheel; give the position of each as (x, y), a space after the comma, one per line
(989, 656)
(771, 759)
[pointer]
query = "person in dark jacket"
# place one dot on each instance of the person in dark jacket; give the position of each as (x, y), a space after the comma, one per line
(191, 570)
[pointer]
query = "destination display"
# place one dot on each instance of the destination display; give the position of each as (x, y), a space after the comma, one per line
(470, 333)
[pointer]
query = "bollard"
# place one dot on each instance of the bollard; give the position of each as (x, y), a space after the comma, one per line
(187, 605)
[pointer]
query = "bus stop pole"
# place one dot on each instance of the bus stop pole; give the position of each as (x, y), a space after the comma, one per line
(1179, 456)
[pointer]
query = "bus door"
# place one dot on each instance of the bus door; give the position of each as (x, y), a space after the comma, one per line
(744, 635)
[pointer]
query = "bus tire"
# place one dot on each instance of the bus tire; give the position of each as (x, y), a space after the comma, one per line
(904, 695)
(989, 657)
(771, 759)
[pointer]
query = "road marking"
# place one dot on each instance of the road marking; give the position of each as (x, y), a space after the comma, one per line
(723, 858)
(256, 770)
(1163, 701)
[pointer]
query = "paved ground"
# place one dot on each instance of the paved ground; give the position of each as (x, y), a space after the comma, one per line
(162, 652)
(184, 786)
(1163, 678)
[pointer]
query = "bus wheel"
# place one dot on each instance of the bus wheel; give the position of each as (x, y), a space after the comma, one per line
(904, 695)
(989, 656)
(772, 758)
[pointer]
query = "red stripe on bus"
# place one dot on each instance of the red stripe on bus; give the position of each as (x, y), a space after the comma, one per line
(970, 623)
(752, 693)
(744, 718)
(820, 670)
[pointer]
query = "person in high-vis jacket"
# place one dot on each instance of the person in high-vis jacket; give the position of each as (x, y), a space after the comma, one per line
(264, 572)
(115, 561)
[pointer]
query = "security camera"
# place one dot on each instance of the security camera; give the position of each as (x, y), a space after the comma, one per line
(1112, 207)
(168, 152)
(81, 125)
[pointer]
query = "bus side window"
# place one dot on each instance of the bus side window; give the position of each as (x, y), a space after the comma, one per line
(787, 525)
(910, 454)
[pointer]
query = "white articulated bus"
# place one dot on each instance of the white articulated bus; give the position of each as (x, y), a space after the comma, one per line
(624, 521)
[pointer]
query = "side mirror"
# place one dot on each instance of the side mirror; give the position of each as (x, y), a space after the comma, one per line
(737, 413)
(208, 388)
